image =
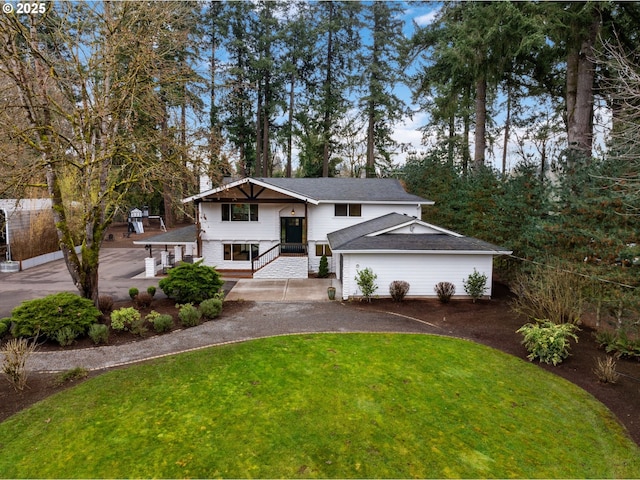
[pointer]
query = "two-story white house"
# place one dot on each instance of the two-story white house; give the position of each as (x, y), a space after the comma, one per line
(281, 227)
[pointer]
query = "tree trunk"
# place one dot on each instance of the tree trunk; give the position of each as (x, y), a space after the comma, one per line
(481, 122)
(258, 166)
(452, 136)
(290, 132)
(327, 97)
(580, 86)
(507, 128)
(266, 164)
(371, 160)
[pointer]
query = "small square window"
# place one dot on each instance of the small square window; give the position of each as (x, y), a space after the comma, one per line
(355, 210)
(323, 249)
(341, 209)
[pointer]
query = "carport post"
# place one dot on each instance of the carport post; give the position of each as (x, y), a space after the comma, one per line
(6, 227)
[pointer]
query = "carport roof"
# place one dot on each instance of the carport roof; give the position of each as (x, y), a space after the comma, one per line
(378, 235)
(179, 236)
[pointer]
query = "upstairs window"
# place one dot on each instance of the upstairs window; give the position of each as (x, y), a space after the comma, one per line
(348, 210)
(239, 212)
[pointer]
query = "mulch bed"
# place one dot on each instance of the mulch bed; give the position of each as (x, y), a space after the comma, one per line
(490, 322)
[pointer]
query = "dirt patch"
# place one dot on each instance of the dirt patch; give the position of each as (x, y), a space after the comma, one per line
(489, 322)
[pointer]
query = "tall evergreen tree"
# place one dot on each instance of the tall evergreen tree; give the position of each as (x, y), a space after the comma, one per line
(338, 29)
(380, 74)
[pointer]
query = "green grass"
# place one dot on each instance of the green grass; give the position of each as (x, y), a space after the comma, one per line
(351, 405)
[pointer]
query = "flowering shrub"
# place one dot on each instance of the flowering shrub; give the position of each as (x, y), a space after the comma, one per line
(122, 318)
(548, 341)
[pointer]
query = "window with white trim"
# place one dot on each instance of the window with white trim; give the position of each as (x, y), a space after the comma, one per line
(241, 252)
(323, 249)
(348, 210)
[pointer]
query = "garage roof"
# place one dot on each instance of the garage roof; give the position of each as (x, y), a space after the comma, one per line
(382, 234)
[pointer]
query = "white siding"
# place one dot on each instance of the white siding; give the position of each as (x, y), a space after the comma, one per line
(422, 271)
(322, 219)
(265, 232)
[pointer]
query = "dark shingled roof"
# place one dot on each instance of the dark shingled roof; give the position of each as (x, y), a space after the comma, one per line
(346, 189)
(355, 238)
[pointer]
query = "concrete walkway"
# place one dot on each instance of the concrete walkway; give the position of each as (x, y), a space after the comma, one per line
(291, 290)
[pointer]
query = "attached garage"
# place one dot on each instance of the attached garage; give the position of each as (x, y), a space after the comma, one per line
(399, 247)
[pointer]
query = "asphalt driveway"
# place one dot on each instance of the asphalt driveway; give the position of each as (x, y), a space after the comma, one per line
(120, 269)
(123, 268)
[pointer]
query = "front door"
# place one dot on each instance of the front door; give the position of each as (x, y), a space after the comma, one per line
(291, 234)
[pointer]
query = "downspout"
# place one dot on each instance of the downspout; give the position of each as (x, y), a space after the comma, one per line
(306, 227)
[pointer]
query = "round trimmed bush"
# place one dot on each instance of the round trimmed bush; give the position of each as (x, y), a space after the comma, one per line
(99, 333)
(48, 315)
(189, 315)
(211, 308)
(5, 324)
(191, 283)
(162, 323)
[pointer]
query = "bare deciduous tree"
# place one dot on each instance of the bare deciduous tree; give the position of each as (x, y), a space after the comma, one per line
(81, 79)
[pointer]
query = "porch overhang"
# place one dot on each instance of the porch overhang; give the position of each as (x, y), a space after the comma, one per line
(250, 190)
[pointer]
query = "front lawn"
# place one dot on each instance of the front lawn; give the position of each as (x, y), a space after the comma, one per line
(333, 405)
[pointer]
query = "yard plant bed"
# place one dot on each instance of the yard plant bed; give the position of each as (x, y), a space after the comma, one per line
(323, 405)
(489, 322)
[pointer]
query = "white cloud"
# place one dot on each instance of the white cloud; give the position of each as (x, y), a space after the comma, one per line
(407, 133)
(426, 18)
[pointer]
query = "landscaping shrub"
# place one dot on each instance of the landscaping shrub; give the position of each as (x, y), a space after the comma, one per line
(16, 353)
(105, 304)
(189, 315)
(549, 293)
(548, 341)
(151, 290)
(70, 375)
(619, 344)
(161, 323)
(133, 292)
(475, 285)
(211, 308)
(99, 333)
(138, 327)
(5, 324)
(445, 290)
(143, 300)
(398, 289)
(366, 280)
(323, 268)
(46, 316)
(191, 283)
(122, 318)
(65, 336)
(606, 370)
